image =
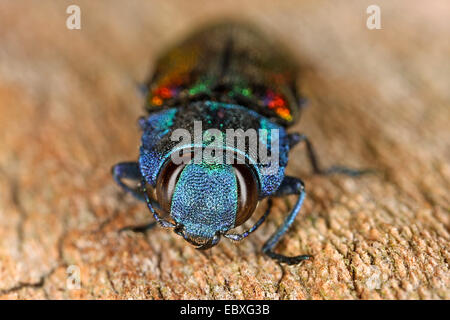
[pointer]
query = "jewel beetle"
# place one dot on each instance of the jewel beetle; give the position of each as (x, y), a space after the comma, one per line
(224, 76)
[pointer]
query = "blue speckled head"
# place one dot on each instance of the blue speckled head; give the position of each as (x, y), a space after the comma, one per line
(205, 201)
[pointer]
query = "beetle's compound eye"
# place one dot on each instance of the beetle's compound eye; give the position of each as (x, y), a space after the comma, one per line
(247, 193)
(166, 182)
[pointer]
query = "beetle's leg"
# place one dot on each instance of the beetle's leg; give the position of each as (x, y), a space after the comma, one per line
(289, 185)
(239, 237)
(140, 228)
(128, 170)
(295, 138)
(145, 227)
(150, 205)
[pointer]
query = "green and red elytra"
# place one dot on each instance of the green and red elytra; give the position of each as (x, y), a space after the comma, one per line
(259, 72)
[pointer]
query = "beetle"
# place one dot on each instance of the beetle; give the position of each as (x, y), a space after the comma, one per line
(225, 76)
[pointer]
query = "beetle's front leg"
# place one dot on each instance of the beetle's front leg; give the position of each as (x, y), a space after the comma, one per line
(289, 185)
(128, 170)
(295, 138)
(140, 228)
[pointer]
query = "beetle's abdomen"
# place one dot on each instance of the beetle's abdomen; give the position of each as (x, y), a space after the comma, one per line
(228, 63)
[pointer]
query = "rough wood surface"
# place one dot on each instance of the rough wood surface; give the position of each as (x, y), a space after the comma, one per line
(68, 110)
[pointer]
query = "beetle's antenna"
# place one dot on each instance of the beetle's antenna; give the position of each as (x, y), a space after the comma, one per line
(239, 237)
(162, 222)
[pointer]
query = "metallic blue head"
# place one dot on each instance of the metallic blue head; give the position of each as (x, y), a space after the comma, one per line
(204, 202)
